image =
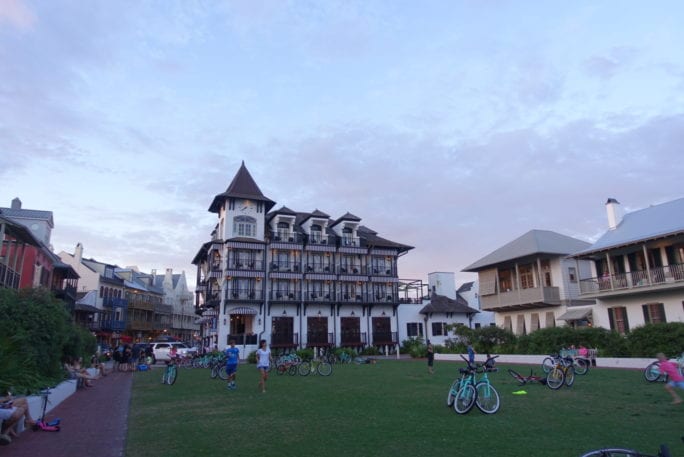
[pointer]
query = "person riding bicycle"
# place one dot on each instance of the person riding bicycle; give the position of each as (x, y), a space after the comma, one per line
(173, 355)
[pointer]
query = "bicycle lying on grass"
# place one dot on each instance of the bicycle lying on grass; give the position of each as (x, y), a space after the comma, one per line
(663, 451)
(321, 367)
(468, 391)
(522, 380)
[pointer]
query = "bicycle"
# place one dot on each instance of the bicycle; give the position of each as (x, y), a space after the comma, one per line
(321, 367)
(522, 380)
(652, 371)
(561, 373)
(467, 391)
(663, 451)
(170, 373)
(580, 364)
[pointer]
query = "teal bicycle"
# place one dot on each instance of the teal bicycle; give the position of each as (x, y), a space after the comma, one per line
(170, 373)
(468, 391)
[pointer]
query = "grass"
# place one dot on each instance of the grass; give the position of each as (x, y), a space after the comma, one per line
(394, 408)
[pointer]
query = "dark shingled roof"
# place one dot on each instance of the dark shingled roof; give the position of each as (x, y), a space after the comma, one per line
(29, 214)
(242, 186)
(442, 304)
(347, 217)
(19, 231)
(465, 287)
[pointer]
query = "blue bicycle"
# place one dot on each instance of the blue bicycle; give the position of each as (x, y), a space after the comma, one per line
(468, 391)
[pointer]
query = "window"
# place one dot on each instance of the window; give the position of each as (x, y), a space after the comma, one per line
(439, 328)
(618, 319)
(572, 274)
(244, 226)
(505, 280)
(414, 329)
(526, 277)
(316, 233)
(477, 325)
(654, 313)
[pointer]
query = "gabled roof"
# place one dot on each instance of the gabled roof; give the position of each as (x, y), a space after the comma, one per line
(646, 224)
(29, 214)
(347, 217)
(465, 287)
(282, 210)
(242, 186)
(318, 214)
(372, 240)
(531, 243)
(19, 231)
(443, 304)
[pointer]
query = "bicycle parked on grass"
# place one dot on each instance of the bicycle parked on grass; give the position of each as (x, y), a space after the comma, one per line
(663, 451)
(322, 367)
(468, 391)
(562, 373)
(580, 364)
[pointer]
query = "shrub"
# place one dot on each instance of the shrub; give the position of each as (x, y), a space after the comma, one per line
(252, 358)
(650, 339)
(413, 346)
(370, 350)
(306, 354)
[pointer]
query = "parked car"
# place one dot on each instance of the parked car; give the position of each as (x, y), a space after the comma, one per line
(161, 349)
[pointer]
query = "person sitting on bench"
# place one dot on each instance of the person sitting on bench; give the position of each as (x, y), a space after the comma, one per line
(11, 411)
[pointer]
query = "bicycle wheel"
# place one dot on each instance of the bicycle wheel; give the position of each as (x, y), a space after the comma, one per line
(214, 371)
(293, 370)
(452, 392)
(172, 375)
(547, 364)
(652, 372)
(465, 399)
(581, 366)
(487, 399)
(281, 368)
(304, 369)
(613, 452)
(555, 379)
(569, 376)
(222, 373)
(324, 369)
(517, 376)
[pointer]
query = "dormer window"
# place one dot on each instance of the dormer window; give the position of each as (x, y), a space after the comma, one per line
(283, 231)
(316, 233)
(347, 236)
(244, 226)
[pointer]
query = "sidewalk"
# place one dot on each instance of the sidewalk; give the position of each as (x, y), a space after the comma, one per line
(94, 422)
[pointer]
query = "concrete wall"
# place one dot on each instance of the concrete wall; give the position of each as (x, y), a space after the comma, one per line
(601, 362)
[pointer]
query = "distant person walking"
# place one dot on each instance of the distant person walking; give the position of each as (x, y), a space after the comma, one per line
(675, 378)
(263, 363)
(232, 358)
(430, 357)
(471, 353)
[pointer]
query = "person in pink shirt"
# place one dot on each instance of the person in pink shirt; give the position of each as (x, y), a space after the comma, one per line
(675, 378)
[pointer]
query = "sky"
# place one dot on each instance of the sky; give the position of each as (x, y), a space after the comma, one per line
(451, 126)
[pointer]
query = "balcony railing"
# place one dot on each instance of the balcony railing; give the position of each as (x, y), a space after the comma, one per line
(8, 277)
(385, 338)
(353, 338)
(246, 264)
(285, 295)
(521, 297)
(284, 340)
(115, 302)
(140, 304)
(319, 296)
(633, 280)
(350, 241)
(286, 237)
(352, 297)
(380, 271)
(244, 294)
(113, 325)
(318, 239)
(216, 265)
(351, 269)
(319, 268)
(320, 339)
(137, 324)
(285, 266)
(384, 297)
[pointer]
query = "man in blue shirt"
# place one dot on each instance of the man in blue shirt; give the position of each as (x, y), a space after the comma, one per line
(232, 358)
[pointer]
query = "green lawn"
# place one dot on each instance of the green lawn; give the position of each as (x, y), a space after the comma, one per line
(394, 408)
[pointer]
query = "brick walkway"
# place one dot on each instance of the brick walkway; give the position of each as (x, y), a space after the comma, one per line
(94, 423)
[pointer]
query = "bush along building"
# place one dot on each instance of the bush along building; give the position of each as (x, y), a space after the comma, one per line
(296, 279)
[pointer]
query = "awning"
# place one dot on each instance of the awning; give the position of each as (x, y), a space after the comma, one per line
(575, 314)
(242, 310)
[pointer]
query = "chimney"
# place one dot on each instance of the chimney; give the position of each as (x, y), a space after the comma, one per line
(78, 253)
(16, 203)
(615, 213)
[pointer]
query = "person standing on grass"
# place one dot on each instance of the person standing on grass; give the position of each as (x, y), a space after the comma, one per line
(675, 378)
(232, 358)
(430, 356)
(471, 353)
(263, 362)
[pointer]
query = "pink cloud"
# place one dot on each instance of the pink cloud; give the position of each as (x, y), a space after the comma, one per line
(15, 13)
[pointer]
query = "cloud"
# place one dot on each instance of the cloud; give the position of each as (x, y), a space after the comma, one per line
(16, 14)
(608, 65)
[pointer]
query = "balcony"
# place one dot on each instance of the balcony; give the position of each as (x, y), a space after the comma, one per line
(141, 304)
(319, 296)
(380, 271)
(112, 325)
(657, 278)
(244, 294)
(385, 338)
(317, 238)
(250, 265)
(350, 241)
(285, 295)
(216, 265)
(351, 269)
(139, 324)
(534, 297)
(353, 297)
(286, 237)
(285, 266)
(319, 339)
(319, 268)
(115, 303)
(384, 298)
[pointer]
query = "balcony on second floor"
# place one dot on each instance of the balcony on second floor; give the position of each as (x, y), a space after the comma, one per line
(654, 278)
(244, 294)
(532, 297)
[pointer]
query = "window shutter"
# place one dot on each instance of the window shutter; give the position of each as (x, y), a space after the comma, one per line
(647, 318)
(611, 319)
